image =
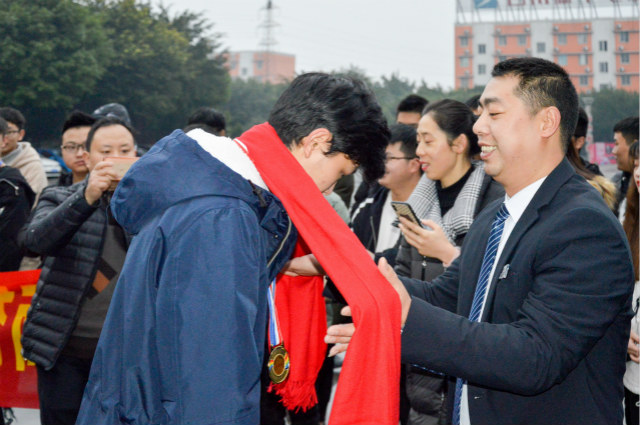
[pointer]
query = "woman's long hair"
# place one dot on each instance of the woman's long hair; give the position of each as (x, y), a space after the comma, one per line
(630, 223)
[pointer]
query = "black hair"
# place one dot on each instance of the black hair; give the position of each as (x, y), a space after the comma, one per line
(78, 119)
(3, 126)
(406, 135)
(582, 124)
(203, 127)
(115, 110)
(412, 103)
(455, 118)
(346, 107)
(628, 127)
(473, 102)
(107, 121)
(13, 116)
(210, 117)
(543, 84)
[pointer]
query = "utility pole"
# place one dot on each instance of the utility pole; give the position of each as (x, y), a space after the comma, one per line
(268, 39)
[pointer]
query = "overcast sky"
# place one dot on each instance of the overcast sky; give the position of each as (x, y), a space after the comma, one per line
(411, 38)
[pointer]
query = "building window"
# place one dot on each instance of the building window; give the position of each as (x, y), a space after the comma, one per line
(259, 64)
(624, 37)
(464, 62)
(604, 67)
(562, 60)
(541, 47)
(482, 49)
(624, 57)
(582, 38)
(482, 69)
(625, 80)
(603, 45)
(464, 41)
(562, 39)
(522, 40)
(244, 71)
(584, 80)
(502, 40)
(464, 82)
(502, 58)
(583, 59)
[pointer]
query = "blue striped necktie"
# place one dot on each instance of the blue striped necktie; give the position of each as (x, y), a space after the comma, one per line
(481, 289)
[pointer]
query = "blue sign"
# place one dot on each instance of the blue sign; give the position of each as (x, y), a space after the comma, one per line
(486, 4)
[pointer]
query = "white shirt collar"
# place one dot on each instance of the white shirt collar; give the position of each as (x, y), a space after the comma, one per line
(517, 203)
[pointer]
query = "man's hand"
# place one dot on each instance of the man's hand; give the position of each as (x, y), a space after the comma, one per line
(632, 348)
(307, 265)
(100, 179)
(341, 334)
(430, 243)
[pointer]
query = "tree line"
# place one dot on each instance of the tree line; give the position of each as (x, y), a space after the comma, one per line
(60, 55)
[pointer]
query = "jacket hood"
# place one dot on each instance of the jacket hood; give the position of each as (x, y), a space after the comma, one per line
(176, 169)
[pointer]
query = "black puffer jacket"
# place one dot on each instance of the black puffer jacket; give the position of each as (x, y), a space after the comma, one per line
(69, 232)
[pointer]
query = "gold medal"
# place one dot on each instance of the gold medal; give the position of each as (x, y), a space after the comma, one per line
(278, 364)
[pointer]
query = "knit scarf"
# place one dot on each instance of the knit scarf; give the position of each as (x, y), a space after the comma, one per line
(368, 390)
(424, 201)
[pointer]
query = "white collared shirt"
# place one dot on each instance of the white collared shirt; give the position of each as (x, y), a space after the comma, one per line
(516, 206)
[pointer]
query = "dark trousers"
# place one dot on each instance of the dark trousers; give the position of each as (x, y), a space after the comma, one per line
(631, 407)
(60, 390)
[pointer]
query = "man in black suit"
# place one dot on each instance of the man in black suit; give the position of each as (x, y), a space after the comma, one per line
(533, 317)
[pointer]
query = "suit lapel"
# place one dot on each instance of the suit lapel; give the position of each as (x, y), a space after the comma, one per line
(543, 196)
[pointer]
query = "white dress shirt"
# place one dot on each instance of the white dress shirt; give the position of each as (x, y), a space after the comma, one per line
(516, 206)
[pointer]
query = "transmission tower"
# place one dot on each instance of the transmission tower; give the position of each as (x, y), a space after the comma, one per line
(268, 40)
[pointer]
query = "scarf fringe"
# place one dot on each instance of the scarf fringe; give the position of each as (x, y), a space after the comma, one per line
(296, 395)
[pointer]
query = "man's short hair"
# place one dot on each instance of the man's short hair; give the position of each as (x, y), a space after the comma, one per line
(543, 84)
(13, 116)
(78, 119)
(346, 107)
(582, 124)
(628, 127)
(406, 135)
(412, 103)
(4, 127)
(113, 110)
(473, 102)
(107, 121)
(209, 117)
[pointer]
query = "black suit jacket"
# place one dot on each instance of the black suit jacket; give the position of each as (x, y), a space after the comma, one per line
(551, 346)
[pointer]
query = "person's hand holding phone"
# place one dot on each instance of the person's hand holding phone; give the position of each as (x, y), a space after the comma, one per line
(430, 240)
(100, 180)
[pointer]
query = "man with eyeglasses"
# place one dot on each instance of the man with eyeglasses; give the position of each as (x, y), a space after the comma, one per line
(372, 219)
(21, 155)
(74, 143)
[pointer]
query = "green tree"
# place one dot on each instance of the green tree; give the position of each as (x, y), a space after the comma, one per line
(609, 107)
(53, 53)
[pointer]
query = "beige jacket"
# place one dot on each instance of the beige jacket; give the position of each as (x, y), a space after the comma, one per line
(29, 165)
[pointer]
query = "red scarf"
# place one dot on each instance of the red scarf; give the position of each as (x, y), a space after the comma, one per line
(368, 388)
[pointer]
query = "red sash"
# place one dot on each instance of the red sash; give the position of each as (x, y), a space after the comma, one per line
(368, 388)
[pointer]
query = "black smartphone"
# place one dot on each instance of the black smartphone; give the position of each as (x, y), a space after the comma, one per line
(403, 209)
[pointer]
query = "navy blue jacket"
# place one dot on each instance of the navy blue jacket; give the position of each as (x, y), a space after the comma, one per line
(184, 339)
(551, 346)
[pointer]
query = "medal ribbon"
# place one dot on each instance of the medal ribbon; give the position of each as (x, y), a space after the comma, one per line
(274, 327)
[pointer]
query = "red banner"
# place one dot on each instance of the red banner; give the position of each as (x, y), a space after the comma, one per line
(18, 378)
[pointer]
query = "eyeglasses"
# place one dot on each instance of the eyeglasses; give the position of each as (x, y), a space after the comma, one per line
(73, 147)
(389, 158)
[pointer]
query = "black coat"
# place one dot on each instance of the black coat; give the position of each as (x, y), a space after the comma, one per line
(70, 234)
(16, 199)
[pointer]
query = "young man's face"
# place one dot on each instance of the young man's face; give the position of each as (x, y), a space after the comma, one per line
(9, 142)
(408, 118)
(74, 143)
(508, 135)
(621, 151)
(399, 168)
(112, 140)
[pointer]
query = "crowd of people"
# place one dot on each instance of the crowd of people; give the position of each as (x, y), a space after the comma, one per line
(200, 282)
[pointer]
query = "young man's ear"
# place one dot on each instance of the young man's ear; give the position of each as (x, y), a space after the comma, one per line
(320, 138)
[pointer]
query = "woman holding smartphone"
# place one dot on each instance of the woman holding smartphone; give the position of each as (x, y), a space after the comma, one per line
(450, 194)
